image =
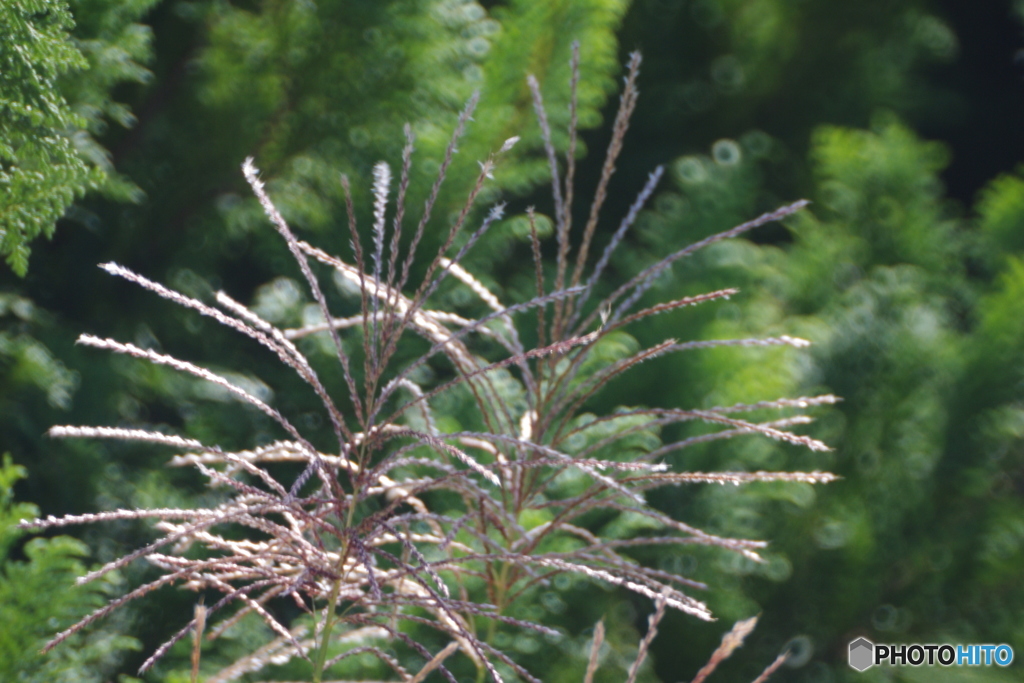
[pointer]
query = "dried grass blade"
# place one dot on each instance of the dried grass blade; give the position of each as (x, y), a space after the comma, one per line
(641, 282)
(734, 478)
(403, 187)
(428, 205)
(69, 431)
(595, 652)
(197, 638)
(627, 222)
(627, 103)
(437, 660)
(724, 434)
(381, 188)
(801, 402)
(252, 176)
(730, 642)
(561, 228)
(364, 309)
(772, 668)
(538, 267)
(645, 644)
(570, 154)
(677, 600)
(673, 305)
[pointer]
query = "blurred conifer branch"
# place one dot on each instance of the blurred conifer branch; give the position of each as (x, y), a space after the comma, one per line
(48, 155)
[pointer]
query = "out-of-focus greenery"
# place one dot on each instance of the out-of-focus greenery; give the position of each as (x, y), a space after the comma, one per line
(38, 598)
(910, 546)
(913, 299)
(910, 300)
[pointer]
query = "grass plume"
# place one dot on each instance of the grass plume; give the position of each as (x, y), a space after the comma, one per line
(358, 572)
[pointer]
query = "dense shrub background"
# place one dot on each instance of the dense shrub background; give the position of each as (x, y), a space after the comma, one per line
(898, 119)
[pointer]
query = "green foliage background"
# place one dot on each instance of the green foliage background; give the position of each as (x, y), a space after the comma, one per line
(911, 291)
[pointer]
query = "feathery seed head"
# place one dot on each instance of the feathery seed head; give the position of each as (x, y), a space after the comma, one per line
(357, 569)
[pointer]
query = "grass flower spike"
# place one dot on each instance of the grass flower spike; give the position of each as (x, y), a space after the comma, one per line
(402, 527)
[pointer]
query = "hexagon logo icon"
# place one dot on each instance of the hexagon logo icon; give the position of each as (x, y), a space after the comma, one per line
(862, 654)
